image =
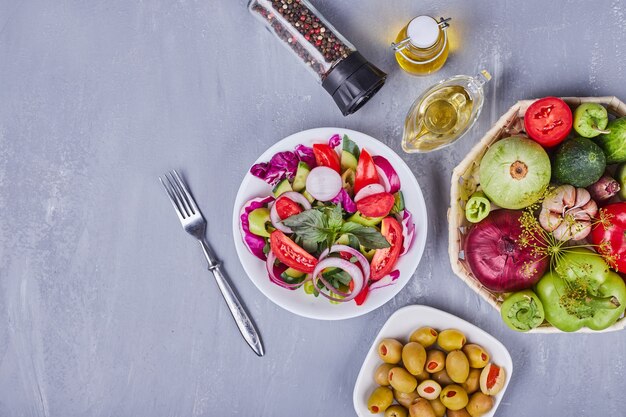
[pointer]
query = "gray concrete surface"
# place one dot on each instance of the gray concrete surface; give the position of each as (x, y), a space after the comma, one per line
(106, 308)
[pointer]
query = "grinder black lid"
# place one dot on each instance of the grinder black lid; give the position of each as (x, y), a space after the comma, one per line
(352, 82)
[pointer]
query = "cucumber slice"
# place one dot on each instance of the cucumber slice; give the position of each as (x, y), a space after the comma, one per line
(363, 220)
(309, 288)
(299, 181)
(348, 161)
(258, 220)
(294, 273)
(398, 205)
(282, 187)
(350, 146)
(308, 196)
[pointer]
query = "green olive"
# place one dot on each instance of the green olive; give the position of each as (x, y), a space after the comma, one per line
(457, 366)
(472, 383)
(479, 404)
(414, 358)
(429, 389)
(405, 398)
(451, 339)
(458, 413)
(442, 377)
(492, 379)
(390, 350)
(435, 361)
(422, 376)
(425, 336)
(396, 410)
(477, 356)
(438, 407)
(421, 408)
(381, 375)
(454, 397)
(381, 398)
(402, 380)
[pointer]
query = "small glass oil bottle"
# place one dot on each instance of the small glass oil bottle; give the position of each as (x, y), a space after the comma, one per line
(444, 113)
(422, 45)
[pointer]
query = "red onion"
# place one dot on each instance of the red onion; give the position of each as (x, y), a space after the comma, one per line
(352, 270)
(408, 231)
(365, 265)
(274, 273)
(368, 190)
(386, 281)
(605, 188)
(296, 198)
(323, 183)
(387, 174)
(495, 256)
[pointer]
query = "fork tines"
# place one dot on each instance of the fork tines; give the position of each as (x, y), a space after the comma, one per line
(179, 195)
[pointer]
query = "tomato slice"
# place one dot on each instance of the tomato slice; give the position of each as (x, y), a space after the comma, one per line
(548, 121)
(385, 259)
(366, 173)
(360, 298)
(286, 207)
(291, 254)
(325, 156)
(376, 205)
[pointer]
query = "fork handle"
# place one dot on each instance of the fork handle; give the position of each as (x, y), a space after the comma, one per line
(245, 325)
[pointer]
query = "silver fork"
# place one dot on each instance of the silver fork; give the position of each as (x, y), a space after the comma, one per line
(194, 224)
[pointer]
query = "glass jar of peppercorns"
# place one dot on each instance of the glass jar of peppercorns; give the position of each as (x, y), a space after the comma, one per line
(343, 72)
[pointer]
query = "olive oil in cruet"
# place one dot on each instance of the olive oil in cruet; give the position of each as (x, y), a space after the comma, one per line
(422, 46)
(444, 113)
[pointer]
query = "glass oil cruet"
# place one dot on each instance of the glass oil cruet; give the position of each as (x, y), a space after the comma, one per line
(444, 112)
(422, 46)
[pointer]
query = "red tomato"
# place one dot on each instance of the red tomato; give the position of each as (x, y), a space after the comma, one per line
(366, 173)
(385, 259)
(291, 254)
(548, 121)
(325, 156)
(376, 205)
(286, 207)
(360, 298)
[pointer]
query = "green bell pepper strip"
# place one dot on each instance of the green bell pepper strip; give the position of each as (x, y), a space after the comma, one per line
(477, 207)
(522, 311)
(582, 291)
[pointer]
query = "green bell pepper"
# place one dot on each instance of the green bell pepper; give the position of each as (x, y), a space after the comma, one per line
(522, 311)
(581, 291)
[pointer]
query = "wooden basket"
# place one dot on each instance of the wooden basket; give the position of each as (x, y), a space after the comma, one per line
(465, 180)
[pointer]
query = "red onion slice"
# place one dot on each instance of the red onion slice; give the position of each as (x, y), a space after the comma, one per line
(365, 265)
(296, 198)
(274, 273)
(386, 281)
(408, 231)
(368, 190)
(323, 183)
(387, 174)
(347, 266)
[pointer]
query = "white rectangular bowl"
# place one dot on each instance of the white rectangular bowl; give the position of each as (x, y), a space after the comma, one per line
(401, 324)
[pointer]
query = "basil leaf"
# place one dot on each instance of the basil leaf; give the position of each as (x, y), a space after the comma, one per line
(310, 226)
(368, 236)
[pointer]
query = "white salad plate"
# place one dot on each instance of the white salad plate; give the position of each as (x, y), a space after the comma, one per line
(297, 301)
(401, 324)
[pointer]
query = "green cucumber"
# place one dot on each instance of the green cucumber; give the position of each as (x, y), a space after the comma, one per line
(294, 273)
(282, 187)
(350, 147)
(309, 288)
(302, 173)
(398, 205)
(258, 220)
(365, 221)
(348, 161)
(308, 196)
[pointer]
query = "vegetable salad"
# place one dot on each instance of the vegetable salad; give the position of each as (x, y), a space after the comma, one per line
(335, 223)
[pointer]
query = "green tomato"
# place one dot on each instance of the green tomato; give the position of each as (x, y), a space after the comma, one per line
(590, 120)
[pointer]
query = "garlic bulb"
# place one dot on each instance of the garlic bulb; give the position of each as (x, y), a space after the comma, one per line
(567, 213)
